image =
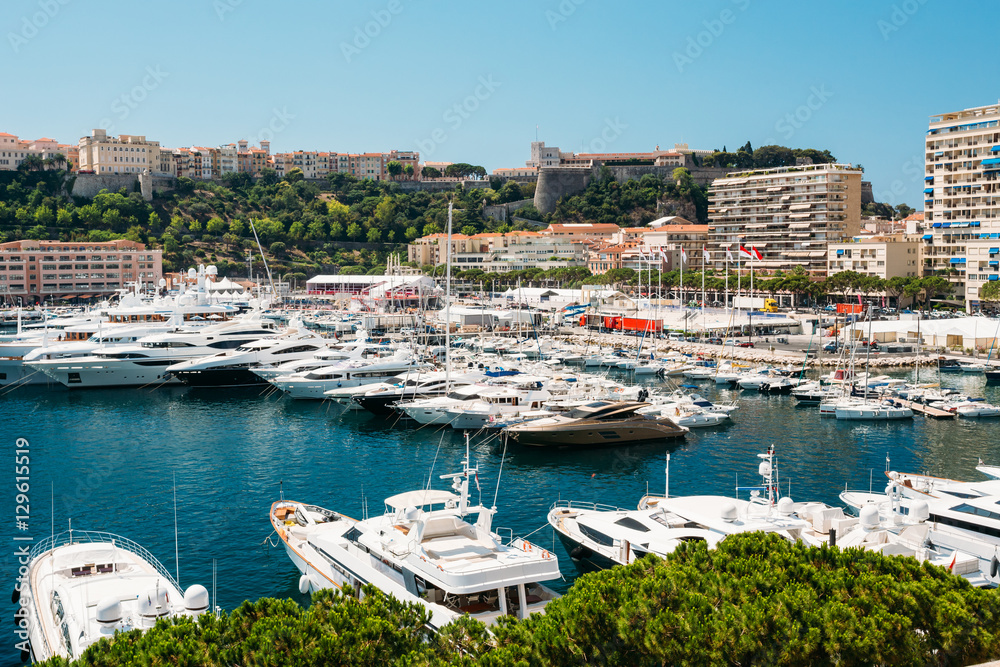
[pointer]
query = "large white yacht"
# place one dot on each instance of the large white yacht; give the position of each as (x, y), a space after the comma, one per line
(425, 550)
(359, 370)
(147, 361)
(83, 586)
(234, 368)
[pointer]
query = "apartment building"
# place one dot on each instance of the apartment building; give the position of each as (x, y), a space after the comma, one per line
(39, 270)
(580, 232)
(790, 214)
(878, 256)
(498, 252)
(962, 199)
(13, 152)
(124, 154)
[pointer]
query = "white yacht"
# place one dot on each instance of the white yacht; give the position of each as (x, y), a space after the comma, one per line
(234, 368)
(147, 361)
(84, 586)
(496, 403)
(434, 410)
(420, 385)
(354, 372)
(425, 549)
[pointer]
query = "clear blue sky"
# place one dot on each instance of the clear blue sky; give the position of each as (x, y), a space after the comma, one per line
(859, 78)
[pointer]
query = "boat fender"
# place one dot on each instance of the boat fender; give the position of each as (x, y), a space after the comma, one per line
(994, 566)
(15, 596)
(304, 584)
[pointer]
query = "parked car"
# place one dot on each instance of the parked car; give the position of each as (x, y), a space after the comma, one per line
(745, 343)
(714, 341)
(832, 346)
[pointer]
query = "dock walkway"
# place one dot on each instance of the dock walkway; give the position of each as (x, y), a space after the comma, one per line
(936, 413)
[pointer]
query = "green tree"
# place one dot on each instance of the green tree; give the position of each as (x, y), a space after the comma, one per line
(354, 231)
(395, 168)
(430, 172)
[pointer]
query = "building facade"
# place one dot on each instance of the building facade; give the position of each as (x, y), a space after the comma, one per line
(790, 214)
(962, 200)
(38, 270)
(879, 256)
(13, 151)
(124, 154)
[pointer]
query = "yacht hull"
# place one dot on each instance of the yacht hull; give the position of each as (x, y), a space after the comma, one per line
(219, 377)
(597, 434)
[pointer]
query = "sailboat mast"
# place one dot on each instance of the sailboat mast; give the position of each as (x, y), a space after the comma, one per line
(447, 308)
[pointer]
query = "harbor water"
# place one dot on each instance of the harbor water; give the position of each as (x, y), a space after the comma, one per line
(110, 460)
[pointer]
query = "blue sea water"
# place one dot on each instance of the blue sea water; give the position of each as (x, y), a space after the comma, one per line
(108, 460)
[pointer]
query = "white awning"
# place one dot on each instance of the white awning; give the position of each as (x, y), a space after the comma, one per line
(786, 197)
(420, 498)
(817, 253)
(799, 215)
(799, 225)
(799, 207)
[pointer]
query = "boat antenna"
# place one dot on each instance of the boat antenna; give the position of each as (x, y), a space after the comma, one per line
(500, 474)
(281, 489)
(52, 492)
(177, 557)
(215, 601)
(666, 473)
(71, 530)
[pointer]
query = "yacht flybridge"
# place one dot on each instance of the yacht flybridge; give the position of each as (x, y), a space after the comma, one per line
(84, 586)
(424, 549)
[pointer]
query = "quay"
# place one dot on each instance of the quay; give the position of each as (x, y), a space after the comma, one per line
(927, 410)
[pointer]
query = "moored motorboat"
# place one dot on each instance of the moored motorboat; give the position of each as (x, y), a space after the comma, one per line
(599, 423)
(84, 586)
(423, 550)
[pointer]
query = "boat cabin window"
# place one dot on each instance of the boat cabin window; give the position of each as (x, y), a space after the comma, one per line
(629, 522)
(297, 349)
(596, 536)
(978, 511)
(965, 525)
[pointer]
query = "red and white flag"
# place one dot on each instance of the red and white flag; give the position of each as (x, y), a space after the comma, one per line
(729, 255)
(756, 253)
(705, 255)
(684, 256)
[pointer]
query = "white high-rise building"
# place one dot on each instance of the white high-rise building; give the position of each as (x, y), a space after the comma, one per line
(790, 214)
(962, 200)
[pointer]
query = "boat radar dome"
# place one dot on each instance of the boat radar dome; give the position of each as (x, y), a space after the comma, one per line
(764, 469)
(728, 513)
(152, 605)
(196, 600)
(211, 270)
(919, 511)
(868, 516)
(109, 613)
(192, 273)
(163, 282)
(785, 506)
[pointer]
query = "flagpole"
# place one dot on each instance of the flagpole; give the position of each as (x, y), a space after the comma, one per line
(704, 268)
(727, 278)
(682, 293)
(739, 278)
